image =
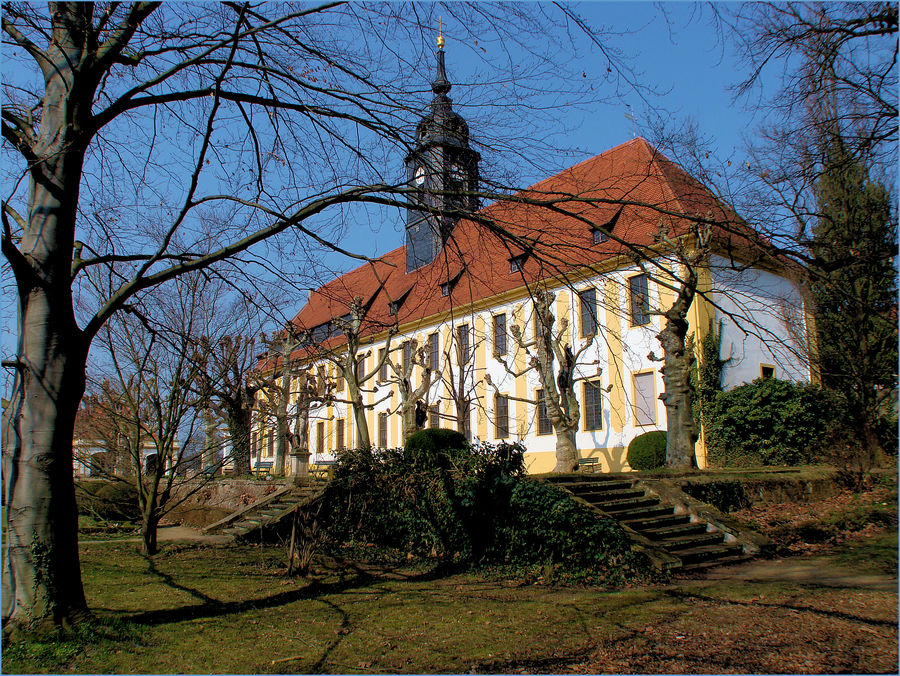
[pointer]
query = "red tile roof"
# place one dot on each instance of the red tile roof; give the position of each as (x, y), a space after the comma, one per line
(633, 180)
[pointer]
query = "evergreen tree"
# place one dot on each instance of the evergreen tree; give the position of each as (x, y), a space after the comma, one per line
(854, 289)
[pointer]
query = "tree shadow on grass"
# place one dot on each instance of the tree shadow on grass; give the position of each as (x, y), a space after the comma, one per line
(836, 614)
(349, 576)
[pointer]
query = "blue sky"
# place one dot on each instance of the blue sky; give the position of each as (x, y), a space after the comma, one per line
(672, 49)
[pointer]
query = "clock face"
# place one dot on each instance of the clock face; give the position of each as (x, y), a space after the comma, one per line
(419, 176)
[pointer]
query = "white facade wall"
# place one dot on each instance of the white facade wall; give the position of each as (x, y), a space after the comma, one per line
(756, 309)
(763, 323)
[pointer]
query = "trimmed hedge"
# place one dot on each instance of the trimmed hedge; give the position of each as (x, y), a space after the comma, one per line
(769, 422)
(647, 451)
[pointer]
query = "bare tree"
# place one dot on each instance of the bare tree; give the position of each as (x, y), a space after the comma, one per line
(227, 388)
(411, 355)
(349, 359)
(155, 408)
(459, 375)
(558, 387)
(108, 88)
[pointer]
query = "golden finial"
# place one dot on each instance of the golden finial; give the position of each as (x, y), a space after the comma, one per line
(440, 38)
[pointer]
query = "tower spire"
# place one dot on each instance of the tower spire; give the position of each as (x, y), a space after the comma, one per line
(441, 84)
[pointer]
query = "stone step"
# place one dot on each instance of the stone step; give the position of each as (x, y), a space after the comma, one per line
(708, 553)
(722, 561)
(575, 479)
(678, 530)
(600, 497)
(235, 532)
(248, 523)
(615, 507)
(597, 487)
(685, 542)
(653, 518)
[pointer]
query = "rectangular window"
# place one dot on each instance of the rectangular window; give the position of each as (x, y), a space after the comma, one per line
(639, 300)
(587, 301)
(339, 381)
(383, 373)
(270, 445)
(644, 399)
(467, 421)
(339, 442)
(499, 335)
(434, 415)
(382, 430)
(434, 352)
(593, 405)
(501, 416)
(543, 419)
(407, 356)
(320, 437)
(766, 371)
(600, 236)
(462, 339)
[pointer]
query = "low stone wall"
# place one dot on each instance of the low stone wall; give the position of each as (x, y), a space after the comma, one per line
(206, 502)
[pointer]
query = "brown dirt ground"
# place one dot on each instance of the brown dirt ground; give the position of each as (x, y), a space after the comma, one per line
(811, 614)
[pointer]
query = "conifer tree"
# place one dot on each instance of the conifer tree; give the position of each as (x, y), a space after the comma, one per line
(854, 288)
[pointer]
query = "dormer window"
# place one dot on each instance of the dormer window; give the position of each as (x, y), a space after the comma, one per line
(517, 263)
(447, 287)
(600, 236)
(395, 305)
(600, 233)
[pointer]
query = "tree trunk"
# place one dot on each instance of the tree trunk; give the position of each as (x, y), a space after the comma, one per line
(678, 396)
(566, 452)
(42, 574)
(209, 452)
(150, 528)
(281, 432)
(239, 421)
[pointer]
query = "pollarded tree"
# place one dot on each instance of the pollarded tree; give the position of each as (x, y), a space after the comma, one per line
(227, 387)
(411, 355)
(349, 359)
(274, 388)
(557, 387)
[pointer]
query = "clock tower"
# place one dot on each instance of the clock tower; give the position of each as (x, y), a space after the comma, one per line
(442, 170)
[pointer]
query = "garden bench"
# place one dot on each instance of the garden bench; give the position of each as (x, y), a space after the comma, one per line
(583, 462)
(322, 469)
(263, 467)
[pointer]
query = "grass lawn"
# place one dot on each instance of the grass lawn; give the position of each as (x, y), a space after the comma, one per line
(195, 609)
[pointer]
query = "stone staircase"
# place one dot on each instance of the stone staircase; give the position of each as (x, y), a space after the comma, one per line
(676, 531)
(268, 513)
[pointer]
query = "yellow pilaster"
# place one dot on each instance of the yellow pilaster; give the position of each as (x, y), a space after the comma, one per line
(480, 369)
(700, 318)
(615, 364)
(562, 313)
(520, 408)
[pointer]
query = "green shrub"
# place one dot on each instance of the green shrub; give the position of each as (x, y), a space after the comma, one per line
(727, 496)
(768, 422)
(108, 500)
(647, 451)
(472, 508)
(435, 447)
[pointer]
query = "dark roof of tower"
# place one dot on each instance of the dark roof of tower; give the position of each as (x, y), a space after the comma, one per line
(442, 124)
